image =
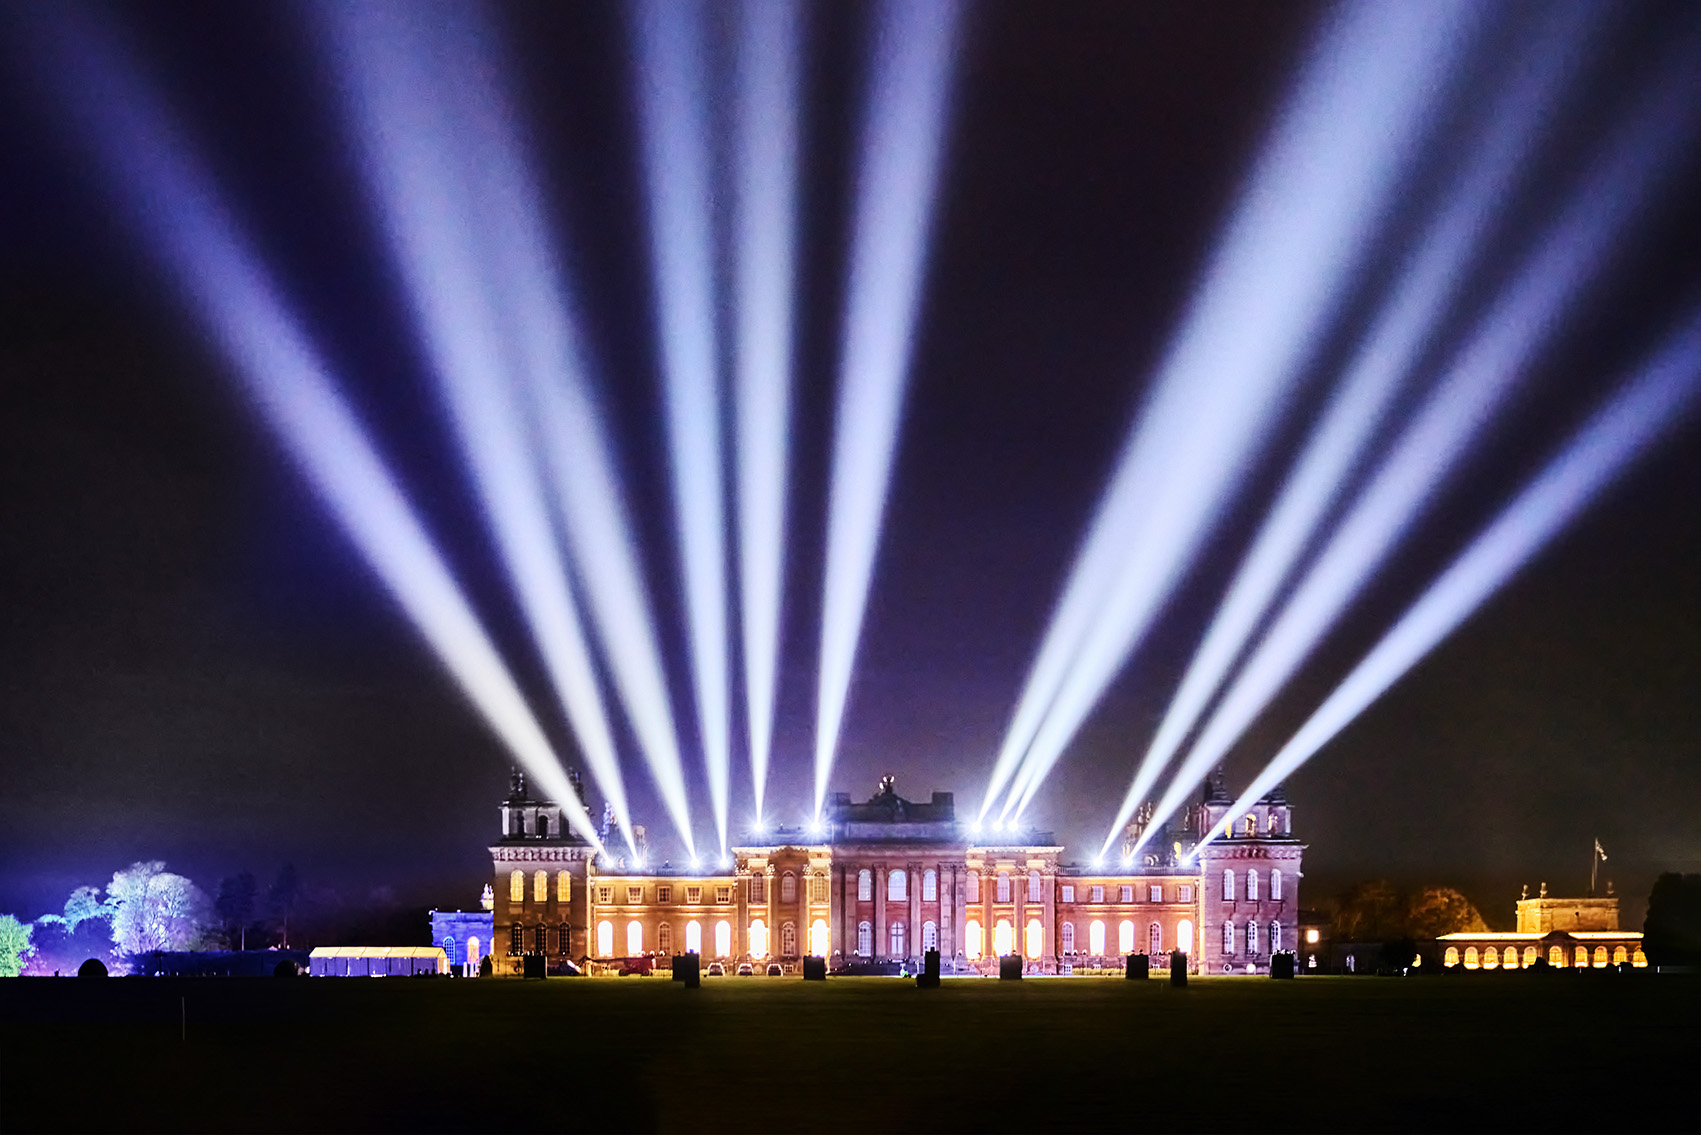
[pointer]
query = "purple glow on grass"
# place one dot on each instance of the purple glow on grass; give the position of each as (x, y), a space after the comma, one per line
(1622, 431)
(1323, 185)
(900, 158)
(1457, 412)
(1380, 369)
(178, 215)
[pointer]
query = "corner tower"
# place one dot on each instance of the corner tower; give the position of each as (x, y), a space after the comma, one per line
(538, 867)
(1248, 882)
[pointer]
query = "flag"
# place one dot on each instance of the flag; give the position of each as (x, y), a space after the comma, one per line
(1600, 851)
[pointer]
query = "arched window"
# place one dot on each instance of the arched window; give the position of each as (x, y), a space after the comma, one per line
(723, 938)
(664, 939)
(1638, 960)
(1184, 935)
(930, 935)
(971, 939)
(605, 939)
(817, 888)
(540, 886)
(1251, 938)
(896, 933)
(563, 886)
(1270, 829)
(896, 883)
(818, 938)
(1620, 955)
(542, 824)
(1530, 953)
(788, 887)
(930, 885)
(865, 885)
(1034, 884)
(758, 938)
(634, 938)
(1276, 885)
(758, 890)
(475, 954)
(1582, 958)
(788, 940)
(1251, 824)
(1228, 886)
(1095, 937)
(974, 886)
(1275, 936)
(1068, 937)
(1154, 939)
(865, 939)
(1125, 937)
(1490, 958)
(1451, 957)
(1509, 957)
(1470, 957)
(694, 937)
(516, 824)
(1556, 957)
(1252, 886)
(1003, 939)
(1600, 957)
(1004, 886)
(1228, 939)
(516, 886)
(1035, 938)
(449, 949)
(516, 944)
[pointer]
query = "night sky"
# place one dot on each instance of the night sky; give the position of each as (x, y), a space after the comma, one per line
(196, 666)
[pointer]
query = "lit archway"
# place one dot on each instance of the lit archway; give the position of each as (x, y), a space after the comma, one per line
(758, 938)
(1003, 939)
(1184, 936)
(1125, 937)
(818, 938)
(1036, 938)
(1095, 938)
(694, 937)
(971, 939)
(723, 938)
(605, 939)
(634, 938)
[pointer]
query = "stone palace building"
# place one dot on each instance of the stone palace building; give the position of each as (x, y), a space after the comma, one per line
(890, 878)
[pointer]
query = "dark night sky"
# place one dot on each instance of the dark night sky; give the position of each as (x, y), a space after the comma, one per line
(196, 666)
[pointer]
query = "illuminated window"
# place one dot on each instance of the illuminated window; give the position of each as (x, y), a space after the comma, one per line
(974, 886)
(1276, 885)
(1184, 936)
(1035, 882)
(516, 886)
(865, 939)
(1530, 953)
(1251, 823)
(723, 896)
(693, 896)
(563, 886)
(1556, 957)
(1490, 958)
(540, 886)
(1451, 958)
(758, 890)
(1582, 957)
(664, 894)
(1003, 889)
(1275, 937)
(1600, 957)
(1251, 939)
(1639, 960)
(1228, 938)
(895, 932)
(788, 887)
(930, 885)
(664, 939)
(515, 944)
(1252, 886)
(605, 939)
(634, 895)
(1097, 894)
(1153, 894)
(1184, 893)
(865, 885)
(1068, 937)
(693, 937)
(896, 885)
(449, 949)
(605, 895)
(1125, 937)
(723, 938)
(1068, 892)
(1270, 829)
(1095, 937)
(1470, 957)
(1154, 939)
(1228, 886)
(1003, 939)
(1035, 938)
(475, 951)
(818, 937)
(758, 938)
(634, 938)
(929, 935)
(971, 939)
(817, 888)
(1620, 955)
(788, 940)
(1509, 958)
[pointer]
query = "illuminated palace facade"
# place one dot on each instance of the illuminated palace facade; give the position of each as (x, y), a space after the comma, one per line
(892, 878)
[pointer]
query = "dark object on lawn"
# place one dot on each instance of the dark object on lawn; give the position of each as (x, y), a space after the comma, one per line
(536, 966)
(94, 967)
(1281, 966)
(928, 978)
(814, 969)
(683, 964)
(1139, 967)
(1010, 967)
(286, 968)
(1178, 968)
(486, 967)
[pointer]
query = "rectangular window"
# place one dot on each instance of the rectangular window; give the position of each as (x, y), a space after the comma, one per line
(693, 895)
(563, 888)
(818, 888)
(1127, 894)
(1098, 894)
(605, 895)
(1185, 893)
(1004, 886)
(723, 895)
(664, 894)
(1157, 893)
(1068, 892)
(1034, 886)
(758, 888)
(634, 895)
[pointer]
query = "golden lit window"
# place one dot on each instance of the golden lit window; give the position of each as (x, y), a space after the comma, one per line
(1095, 937)
(605, 895)
(1509, 959)
(788, 940)
(1470, 957)
(634, 895)
(516, 886)
(1003, 938)
(634, 938)
(664, 939)
(723, 895)
(817, 888)
(1620, 955)
(758, 889)
(694, 937)
(818, 941)
(693, 895)
(540, 886)
(563, 886)
(758, 938)
(1582, 957)
(1490, 958)
(1125, 937)
(1600, 957)
(1036, 938)
(605, 939)
(1184, 935)
(1556, 957)
(971, 939)
(723, 938)
(1530, 953)
(1251, 825)
(1311, 937)
(1639, 960)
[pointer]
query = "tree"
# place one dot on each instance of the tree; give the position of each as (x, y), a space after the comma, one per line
(282, 896)
(15, 945)
(1432, 911)
(153, 909)
(1672, 930)
(83, 905)
(1369, 912)
(235, 908)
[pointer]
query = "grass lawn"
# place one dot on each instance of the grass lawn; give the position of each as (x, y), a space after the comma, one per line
(1590, 1052)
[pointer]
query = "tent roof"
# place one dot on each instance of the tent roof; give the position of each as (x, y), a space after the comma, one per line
(378, 952)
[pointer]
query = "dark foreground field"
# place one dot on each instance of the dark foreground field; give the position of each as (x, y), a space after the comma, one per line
(1476, 1052)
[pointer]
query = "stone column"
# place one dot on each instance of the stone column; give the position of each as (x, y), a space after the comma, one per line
(768, 909)
(1019, 893)
(988, 897)
(741, 915)
(880, 943)
(1048, 897)
(912, 936)
(946, 891)
(835, 910)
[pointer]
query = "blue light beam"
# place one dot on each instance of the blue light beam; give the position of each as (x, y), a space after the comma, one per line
(1379, 370)
(1653, 405)
(673, 111)
(1302, 229)
(176, 212)
(765, 205)
(1458, 410)
(900, 159)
